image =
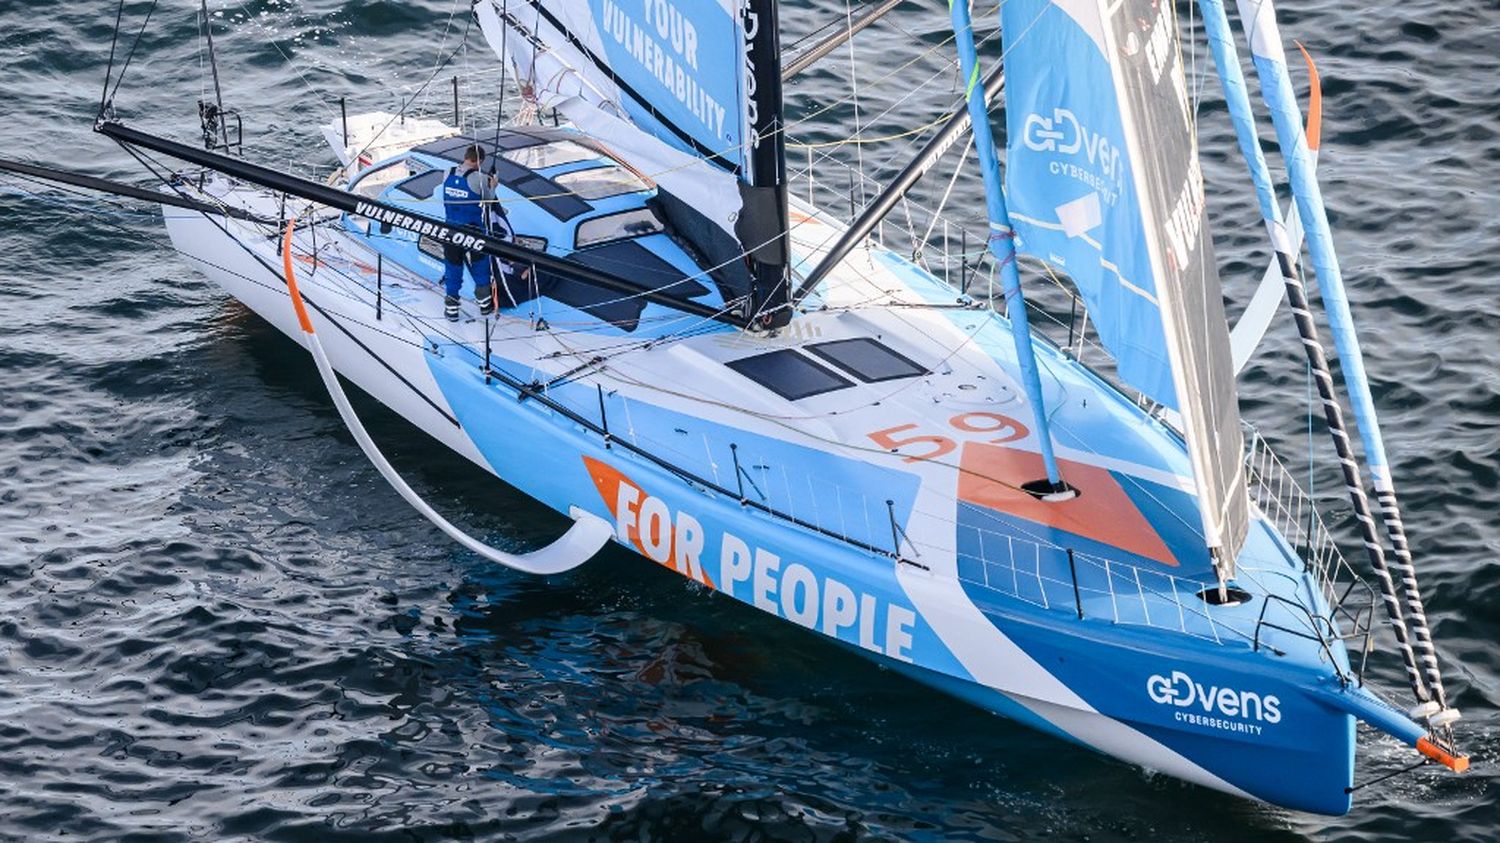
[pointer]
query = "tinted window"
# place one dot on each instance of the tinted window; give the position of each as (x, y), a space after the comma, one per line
(600, 182)
(372, 182)
(430, 247)
(870, 360)
(634, 223)
(789, 374)
(421, 187)
(550, 154)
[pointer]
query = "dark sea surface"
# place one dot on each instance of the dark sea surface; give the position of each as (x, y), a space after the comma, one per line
(217, 621)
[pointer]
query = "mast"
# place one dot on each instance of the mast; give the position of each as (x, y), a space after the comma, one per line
(1002, 237)
(1226, 58)
(1258, 17)
(762, 224)
(952, 129)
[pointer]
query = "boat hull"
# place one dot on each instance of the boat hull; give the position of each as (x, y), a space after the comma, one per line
(1208, 712)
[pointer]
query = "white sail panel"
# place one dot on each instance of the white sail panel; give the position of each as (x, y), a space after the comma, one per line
(1104, 182)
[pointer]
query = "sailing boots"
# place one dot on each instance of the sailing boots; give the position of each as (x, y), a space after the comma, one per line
(450, 308)
(486, 303)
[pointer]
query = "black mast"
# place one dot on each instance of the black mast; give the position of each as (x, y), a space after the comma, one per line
(762, 224)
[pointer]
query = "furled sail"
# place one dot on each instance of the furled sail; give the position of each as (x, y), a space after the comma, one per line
(1105, 183)
(686, 91)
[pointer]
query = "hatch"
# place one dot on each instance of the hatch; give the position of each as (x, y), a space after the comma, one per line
(868, 359)
(791, 375)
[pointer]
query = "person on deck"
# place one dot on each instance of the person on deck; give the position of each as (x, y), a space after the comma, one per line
(467, 194)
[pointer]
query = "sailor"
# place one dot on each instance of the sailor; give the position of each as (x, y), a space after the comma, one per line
(466, 194)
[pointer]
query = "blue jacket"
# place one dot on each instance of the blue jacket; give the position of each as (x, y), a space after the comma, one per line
(461, 201)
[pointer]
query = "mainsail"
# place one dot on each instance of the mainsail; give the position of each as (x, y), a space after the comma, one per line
(1105, 183)
(686, 91)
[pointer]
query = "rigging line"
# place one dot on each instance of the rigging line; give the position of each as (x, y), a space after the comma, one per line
(167, 245)
(858, 141)
(859, 153)
(322, 100)
(151, 166)
(202, 86)
(868, 15)
(110, 68)
(130, 56)
(819, 112)
(910, 93)
(437, 63)
(701, 326)
(409, 100)
(937, 213)
(625, 87)
(213, 64)
(816, 33)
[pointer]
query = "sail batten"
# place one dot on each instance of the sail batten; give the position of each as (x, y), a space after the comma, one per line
(1103, 172)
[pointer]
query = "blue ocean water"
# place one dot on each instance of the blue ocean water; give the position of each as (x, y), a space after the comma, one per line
(217, 622)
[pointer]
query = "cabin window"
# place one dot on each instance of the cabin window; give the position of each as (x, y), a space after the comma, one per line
(601, 182)
(637, 222)
(372, 182)
(430, 247)
(552, 154)
(789, 374)
(422, 187)
(867, 359)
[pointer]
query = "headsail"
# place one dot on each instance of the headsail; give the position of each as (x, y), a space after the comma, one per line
(689, 93)
(1105, 183)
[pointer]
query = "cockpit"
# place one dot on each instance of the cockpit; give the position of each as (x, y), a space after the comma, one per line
(561, 194)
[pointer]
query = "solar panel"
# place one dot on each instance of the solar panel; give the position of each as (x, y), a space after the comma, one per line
(867, 359)
(789, 374)
(421, 187)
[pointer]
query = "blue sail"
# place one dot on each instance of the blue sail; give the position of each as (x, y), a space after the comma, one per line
(1068, 175)
(1104, 183)
(679, 67)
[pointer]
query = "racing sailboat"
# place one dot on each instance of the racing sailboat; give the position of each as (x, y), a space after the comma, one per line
(700, 366)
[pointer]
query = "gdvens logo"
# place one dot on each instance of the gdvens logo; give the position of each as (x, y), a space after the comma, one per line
(1207, 705)
(1063, 133)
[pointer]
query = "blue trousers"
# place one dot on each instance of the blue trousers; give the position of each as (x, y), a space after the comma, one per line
(453, 271)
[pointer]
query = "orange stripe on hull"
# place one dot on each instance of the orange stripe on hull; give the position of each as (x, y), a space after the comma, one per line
(656, 546)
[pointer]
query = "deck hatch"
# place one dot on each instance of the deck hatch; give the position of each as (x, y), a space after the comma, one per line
(868, 359)
(789, 374)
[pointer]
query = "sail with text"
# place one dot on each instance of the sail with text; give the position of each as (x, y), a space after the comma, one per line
(688, 92)
(1105, 183)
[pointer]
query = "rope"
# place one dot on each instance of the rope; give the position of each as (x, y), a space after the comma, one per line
(110, 68)
(130, 56)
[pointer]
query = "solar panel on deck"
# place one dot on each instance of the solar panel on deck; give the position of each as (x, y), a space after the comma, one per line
(422, 187)
(789, 374)
(868, 359)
